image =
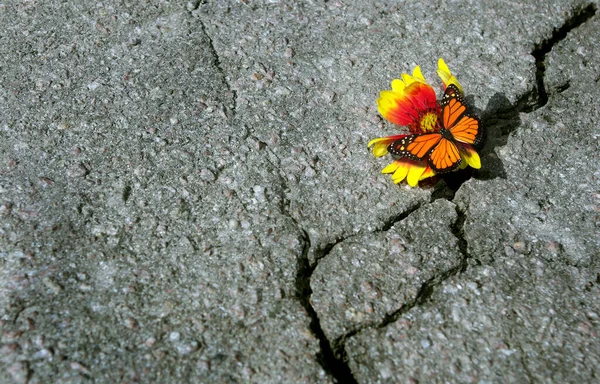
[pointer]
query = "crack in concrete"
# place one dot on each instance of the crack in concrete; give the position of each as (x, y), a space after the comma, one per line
(218, 64)
(333, 356)
(387, 224)
(523, 359)
(332, 364)
(538, 97)
(425, 291)
(527, 103)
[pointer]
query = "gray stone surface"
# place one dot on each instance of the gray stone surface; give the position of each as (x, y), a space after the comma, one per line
(526, 310)
(367, 278)
(186, 195)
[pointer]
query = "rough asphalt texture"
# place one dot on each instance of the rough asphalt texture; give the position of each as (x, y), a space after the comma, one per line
(186, 195)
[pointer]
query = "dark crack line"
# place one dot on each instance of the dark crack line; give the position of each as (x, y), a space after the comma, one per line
(219, 65)
(539, 96)
(523, 359)
(327, 248)
(423, 295)
(331, 363)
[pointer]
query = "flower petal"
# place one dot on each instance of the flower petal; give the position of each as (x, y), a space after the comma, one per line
(422, 96)
(447, 77)
(471, 157)
(401, 171)
(418, 75)
(427, 173)
(407, 106)
(381, 143)
(398, 85)
(396, 108)
(391, 168)
(414, 173)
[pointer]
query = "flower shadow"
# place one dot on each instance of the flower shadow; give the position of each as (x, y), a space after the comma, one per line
(499, 120)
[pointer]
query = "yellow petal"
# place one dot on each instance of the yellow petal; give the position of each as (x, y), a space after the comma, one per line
(408, 79)
(418, 75)
(427, 174)
(414, 173)
(398, 85)
(472, 158)
(442, 67)
(400, 172)
(380, 149)
(387, 100)
(378, 140)
(447, 77)
(391, 167)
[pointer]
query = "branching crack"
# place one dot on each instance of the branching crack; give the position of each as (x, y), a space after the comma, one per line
(331, 363)
(387, 224)
(539, 96)
(425, 291)
(332, 355)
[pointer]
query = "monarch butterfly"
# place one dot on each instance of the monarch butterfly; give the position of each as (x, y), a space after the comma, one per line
(442, 148)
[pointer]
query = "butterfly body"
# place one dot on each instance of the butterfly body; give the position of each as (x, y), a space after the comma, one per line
(442, 149)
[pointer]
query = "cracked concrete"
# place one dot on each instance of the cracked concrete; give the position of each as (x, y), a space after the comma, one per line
(186, 195)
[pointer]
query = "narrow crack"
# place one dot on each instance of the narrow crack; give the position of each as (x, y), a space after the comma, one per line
(429, 286)
(423, 295)
(523, 359)
(539, 96)
(387, 224)
(331, 363)
(219, 65)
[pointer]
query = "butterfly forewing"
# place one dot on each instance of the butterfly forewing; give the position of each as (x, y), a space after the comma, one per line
(453, 110)
(415, 147)
(464, 128)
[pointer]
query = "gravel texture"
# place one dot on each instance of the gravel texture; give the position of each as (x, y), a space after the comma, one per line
(186, 194)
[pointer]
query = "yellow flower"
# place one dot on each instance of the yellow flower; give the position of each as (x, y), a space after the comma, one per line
(412, 103)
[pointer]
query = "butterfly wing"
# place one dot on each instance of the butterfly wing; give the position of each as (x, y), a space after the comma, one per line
(414, 147)
(462, 126)
(441, 149)
(467, 130)
(453, 106)
(445, 157)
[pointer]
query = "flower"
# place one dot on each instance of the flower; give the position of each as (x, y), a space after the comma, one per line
(412, 103)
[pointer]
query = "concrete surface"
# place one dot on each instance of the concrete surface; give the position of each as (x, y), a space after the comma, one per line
(186, 195)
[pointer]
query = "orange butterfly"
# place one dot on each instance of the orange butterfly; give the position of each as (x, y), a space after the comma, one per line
(442, 148)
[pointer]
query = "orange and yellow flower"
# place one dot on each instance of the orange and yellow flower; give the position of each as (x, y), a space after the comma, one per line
(412, 103)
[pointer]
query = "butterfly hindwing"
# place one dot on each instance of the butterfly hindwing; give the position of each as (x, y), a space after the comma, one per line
(467, 130)
(445, 157)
